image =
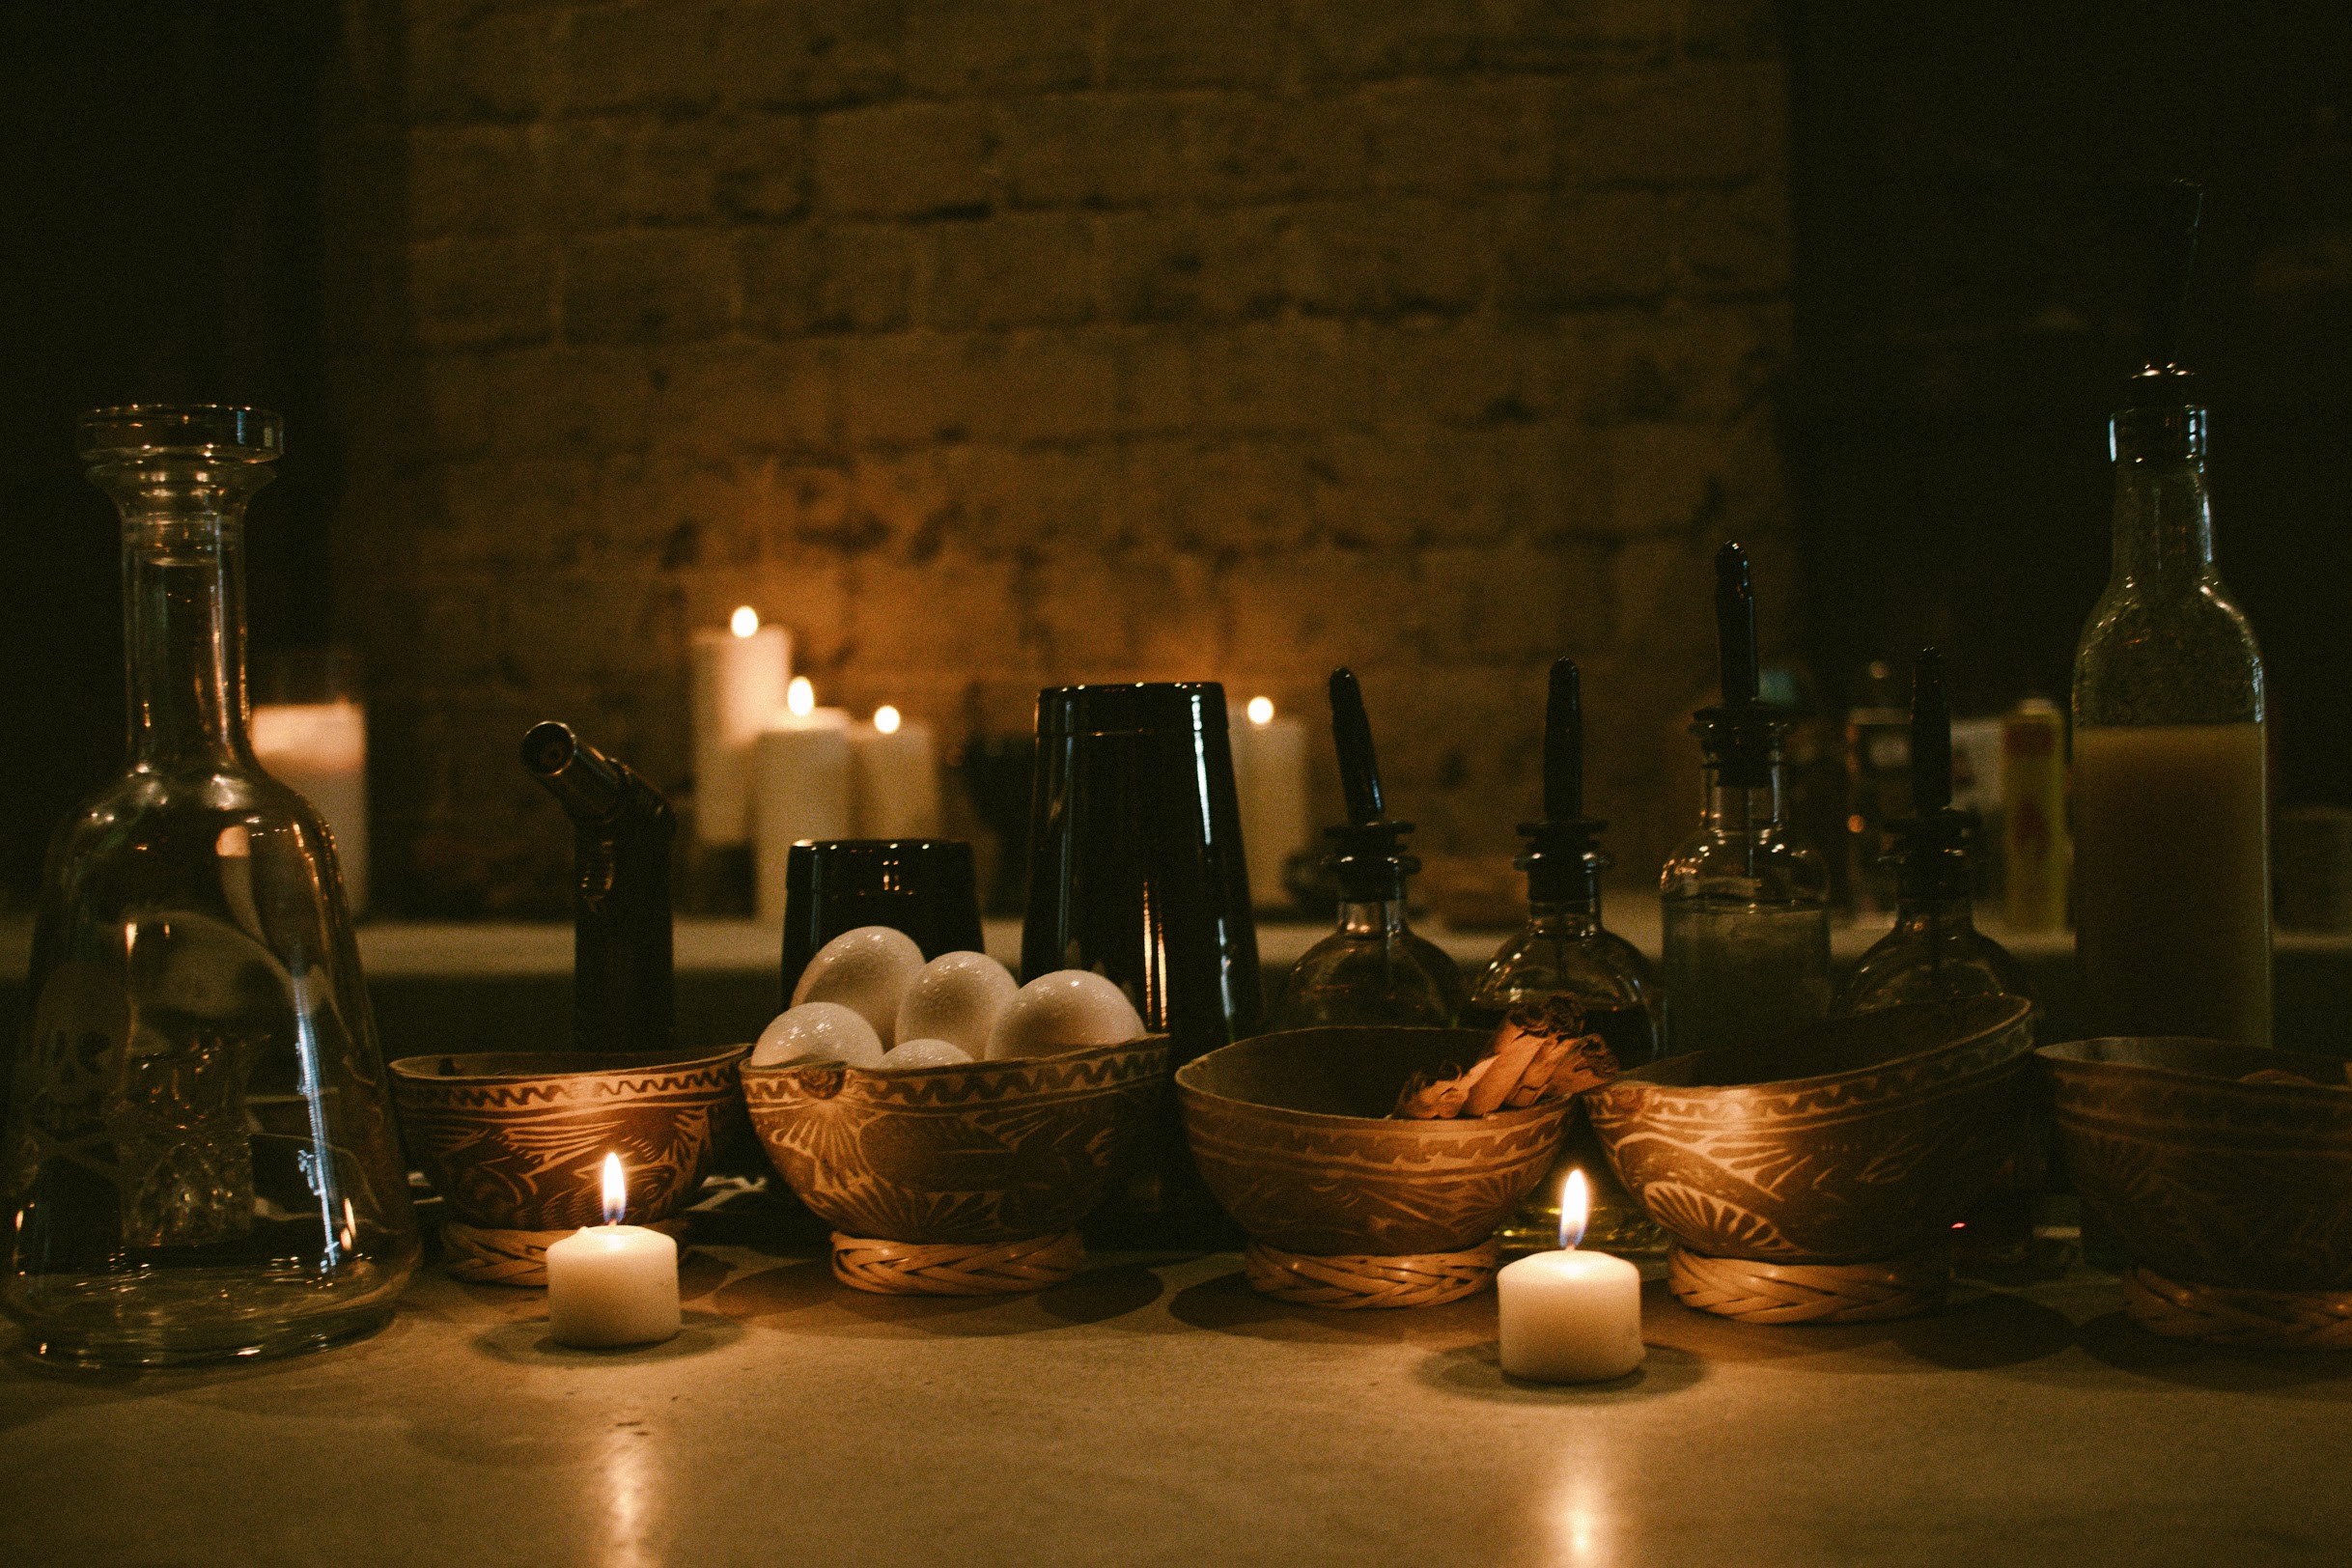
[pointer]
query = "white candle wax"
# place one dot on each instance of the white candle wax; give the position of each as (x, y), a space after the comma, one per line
(1570, 1316)
(612, 1285)
(320, 750)
(894, 789)
(739, 685)
(800, 789)
(1270, 777)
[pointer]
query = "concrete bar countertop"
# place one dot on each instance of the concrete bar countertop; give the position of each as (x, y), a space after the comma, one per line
(1154, 1410)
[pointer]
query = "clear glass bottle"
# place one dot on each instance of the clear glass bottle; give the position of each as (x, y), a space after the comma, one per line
(1564, 950)
(2171, 816)
(1744, 902)
(199, 1160)
(1374, 969)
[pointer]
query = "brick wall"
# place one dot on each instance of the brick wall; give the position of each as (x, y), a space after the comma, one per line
(996, 345)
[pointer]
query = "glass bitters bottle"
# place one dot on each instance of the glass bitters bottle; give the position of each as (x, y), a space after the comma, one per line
(1935, 952)
(1744, 904)
(1374, 970)
(2171, 784)
(199, 1158)
(1564, 951)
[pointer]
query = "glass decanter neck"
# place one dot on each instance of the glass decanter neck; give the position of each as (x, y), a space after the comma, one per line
(1743, 808)
(1372, 917)
(184, 611)
(1579, 917)
(1933, 915)
(2164, 516)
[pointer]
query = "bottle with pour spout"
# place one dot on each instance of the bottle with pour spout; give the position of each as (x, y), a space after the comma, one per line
(1935, 952)
(1375, 969)
(1565, 956)
(1745, 902)
(2170, 787)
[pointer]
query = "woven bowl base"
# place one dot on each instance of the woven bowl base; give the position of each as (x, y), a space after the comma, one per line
(1370, 1279)
(956, 1268)
(1750, 1292)
(2227, 1315)
(480, 1255)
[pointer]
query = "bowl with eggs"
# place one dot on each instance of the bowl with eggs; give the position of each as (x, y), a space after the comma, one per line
(952, 1126)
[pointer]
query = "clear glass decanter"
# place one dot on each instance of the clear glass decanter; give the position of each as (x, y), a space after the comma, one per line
(199, 1160)
(1566, 952)
(1744, 903)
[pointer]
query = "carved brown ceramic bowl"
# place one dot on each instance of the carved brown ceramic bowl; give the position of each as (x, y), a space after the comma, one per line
(1291, 1131)
(516, 1140)
(985, 1152)
(1857, 1140)
(2207, 1179)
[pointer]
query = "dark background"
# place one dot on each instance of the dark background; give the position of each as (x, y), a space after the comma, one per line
(1971, 198)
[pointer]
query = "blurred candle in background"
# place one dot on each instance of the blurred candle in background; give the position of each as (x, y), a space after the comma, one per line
(738, 688)
(1269, 774)
(894, 785)
(312, 737)
(799, 780)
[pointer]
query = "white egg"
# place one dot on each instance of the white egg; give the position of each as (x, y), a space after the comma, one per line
(867, 970)
(1064, 1010)
(958, 998)
(818, 1032)
(924, 1054)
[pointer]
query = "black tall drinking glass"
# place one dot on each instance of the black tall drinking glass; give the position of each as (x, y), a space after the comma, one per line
(922, 886)
(1136, 872)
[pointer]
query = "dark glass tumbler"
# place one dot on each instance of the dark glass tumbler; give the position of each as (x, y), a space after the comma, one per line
(922, 886)
(1136, 871)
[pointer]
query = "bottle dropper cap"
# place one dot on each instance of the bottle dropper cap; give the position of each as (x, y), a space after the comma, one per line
(1563, 857)
(1740, 735)
(1933, 844)
(1369, 856)
(2162, 380)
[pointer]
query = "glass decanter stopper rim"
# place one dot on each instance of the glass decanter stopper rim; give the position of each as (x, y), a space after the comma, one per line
(217, 431)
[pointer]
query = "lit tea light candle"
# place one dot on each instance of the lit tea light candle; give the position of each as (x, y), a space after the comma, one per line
(740, 673)
(1269, 778)
(1571, 1316)
(613, 1284)
(895, 778)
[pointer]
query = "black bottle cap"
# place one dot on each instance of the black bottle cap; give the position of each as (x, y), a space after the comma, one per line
(1935, 844)
(1740, 735)
(2162, 380)
(1562, 858)
(1369, 856)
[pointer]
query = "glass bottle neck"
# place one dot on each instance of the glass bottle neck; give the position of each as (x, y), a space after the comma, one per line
(1569, 920)
(1377, 917)
(183, 623)
(1743, 808)
(1932, 916)
(2164, 519)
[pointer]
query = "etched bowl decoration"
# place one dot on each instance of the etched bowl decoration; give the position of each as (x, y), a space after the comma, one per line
(1292, 1132)
(516, 1142)
(1857, 1140)
(2208, 1179)
(984, 1152)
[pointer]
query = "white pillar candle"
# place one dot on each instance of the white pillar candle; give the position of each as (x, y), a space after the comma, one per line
(800, 789)
(894, 788)
(1269, 776)
(740, 678)
(320, 750)
(1570, 1316)
(612, 1285)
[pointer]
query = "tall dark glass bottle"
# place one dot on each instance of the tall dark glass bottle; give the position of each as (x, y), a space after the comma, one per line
(1745, 902)
(1374, 970)
(1566, 952)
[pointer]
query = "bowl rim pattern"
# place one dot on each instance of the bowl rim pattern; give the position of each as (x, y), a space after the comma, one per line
(954, 1087)
(648, 1071)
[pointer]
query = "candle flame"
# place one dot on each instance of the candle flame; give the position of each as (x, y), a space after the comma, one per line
(1575, 1207)
(616, 1189)
(1261, 710)
(744, 622)
(800, 697)
(885, 719)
